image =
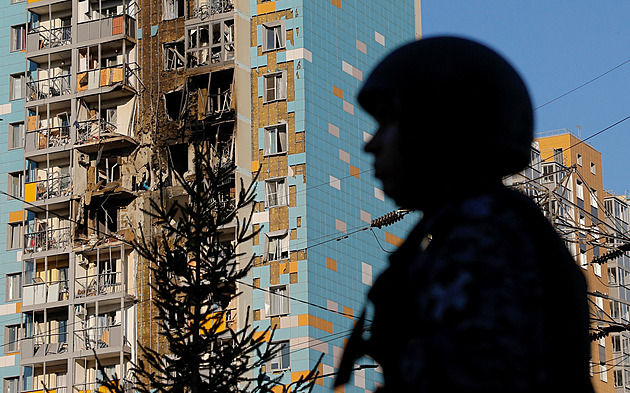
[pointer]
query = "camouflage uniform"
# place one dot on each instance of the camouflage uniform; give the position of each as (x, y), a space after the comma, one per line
(493, 302)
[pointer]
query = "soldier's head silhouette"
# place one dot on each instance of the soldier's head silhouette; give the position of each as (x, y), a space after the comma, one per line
(448, 109)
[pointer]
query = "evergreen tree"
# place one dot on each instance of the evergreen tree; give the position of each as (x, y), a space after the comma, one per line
(195, 280)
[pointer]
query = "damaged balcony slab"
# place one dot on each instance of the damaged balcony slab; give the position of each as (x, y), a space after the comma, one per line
(115, 141)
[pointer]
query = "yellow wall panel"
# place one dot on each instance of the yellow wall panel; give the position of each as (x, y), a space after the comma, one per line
(266, 8)
(17, 216)
(30, 192)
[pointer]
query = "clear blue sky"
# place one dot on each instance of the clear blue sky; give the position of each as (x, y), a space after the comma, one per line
(558, 45)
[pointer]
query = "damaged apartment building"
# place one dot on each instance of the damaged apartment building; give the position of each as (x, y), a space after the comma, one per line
(190, 98)
(107, 99)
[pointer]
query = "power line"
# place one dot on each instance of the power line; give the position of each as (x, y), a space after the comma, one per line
(582, 85)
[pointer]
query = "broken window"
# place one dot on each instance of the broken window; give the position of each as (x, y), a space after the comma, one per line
(172, 9)
(273, 35)
(174, 55)
(275, 86)
(174, 103)
(275, 139)
(276, 246)
(276, 192)
(107, 219)
(108, 169)
(179, 158)
(210, 43)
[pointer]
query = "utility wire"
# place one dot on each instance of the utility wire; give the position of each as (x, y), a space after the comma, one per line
(292, 298)
(582, 85)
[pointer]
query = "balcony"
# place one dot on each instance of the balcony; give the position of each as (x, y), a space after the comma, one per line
(106, 27)
(205, 8)
(209, 43)
(47, 240)
(99, 337)
(98, 284)
(44, 292)
(47, 138)
(40, 37)
(54, 186)
(48, 88)
(45, 345)
(121, 74)
(94, 132)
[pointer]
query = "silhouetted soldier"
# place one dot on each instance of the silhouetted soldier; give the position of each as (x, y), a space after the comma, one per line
(483, 295)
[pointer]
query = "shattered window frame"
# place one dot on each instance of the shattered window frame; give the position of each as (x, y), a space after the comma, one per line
(214, 47)
(277, 90)
(276, 246)
(273, 36)
(275, 141)
(171, 9)
(172, 58)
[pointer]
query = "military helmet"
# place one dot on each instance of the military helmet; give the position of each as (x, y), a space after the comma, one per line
(457, 93)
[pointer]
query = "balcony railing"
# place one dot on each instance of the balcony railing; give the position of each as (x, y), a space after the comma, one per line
(106, 27)
(50, 239)
(42, 38)
(44, 345)
(125, 74)
(47, 137)
(220, 102)
(47, 88)
(94, 130)
(97, 387)
(58, 389)
(98, 337)
(43, 292)
(204, 9)
(98, 284)
(53, 187)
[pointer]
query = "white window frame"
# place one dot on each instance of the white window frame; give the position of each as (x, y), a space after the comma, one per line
(582, 259)
(14, 79)
(13, 287)
(273, 36)
(275, 140)
(11, 382)
(278, 300)
(276, 192)
(579, 189)
(618, 378)
(593, 168)
(597, 269)
(11, 233)
(13, 193)
(579, 159)
(275, 86)
(282, 356)
(593, 198)
(603, 373)
(11, 345)
(19, 126)
(276, 246)
(18, 38)
(616, 343)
